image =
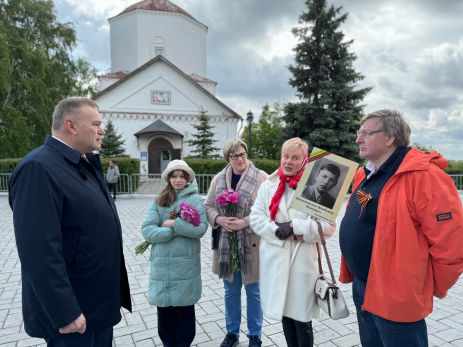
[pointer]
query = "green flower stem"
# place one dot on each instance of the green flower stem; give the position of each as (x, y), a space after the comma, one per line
(141, 248)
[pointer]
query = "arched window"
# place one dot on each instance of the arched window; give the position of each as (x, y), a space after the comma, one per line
(158, 47)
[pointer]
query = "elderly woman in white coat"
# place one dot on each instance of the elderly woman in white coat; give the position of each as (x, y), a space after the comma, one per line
(287, 288)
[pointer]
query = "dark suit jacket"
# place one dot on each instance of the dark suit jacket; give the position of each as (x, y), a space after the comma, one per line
(326, 199)
(69, 241)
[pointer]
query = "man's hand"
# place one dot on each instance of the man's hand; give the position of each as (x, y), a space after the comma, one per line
(169, 223)
(78, 326)
(226, 222)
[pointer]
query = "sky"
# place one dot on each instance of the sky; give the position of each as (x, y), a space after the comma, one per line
(410, 52)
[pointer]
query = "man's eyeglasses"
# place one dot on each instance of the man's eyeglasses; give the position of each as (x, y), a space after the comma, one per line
(236, 156)
(367, 134)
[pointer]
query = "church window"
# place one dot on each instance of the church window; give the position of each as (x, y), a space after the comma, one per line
(158, 47)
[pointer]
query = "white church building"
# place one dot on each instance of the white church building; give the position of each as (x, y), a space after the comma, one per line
(159, 83)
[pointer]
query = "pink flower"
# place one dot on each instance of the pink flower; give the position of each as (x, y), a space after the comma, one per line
(234, 198)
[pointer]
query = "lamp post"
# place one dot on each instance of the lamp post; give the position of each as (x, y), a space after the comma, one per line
(249, 120)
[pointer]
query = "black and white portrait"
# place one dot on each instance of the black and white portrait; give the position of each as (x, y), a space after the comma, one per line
(325, 182)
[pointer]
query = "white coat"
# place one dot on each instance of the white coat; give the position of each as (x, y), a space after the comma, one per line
(287, 290)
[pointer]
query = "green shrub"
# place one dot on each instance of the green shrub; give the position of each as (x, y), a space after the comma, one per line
(211, 166)
(126, 166)
(8, 165)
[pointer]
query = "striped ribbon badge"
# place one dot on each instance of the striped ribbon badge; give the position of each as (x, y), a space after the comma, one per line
(317, 155)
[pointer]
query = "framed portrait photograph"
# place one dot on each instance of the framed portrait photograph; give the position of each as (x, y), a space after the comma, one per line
(160, 97)
(324, 185)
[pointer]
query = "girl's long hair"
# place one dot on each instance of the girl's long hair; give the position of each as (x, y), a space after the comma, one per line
(166, 197)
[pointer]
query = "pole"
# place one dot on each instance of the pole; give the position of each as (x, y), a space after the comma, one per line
(250, 143)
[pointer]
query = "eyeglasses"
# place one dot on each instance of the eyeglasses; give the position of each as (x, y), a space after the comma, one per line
(367, 134)
(236, 156)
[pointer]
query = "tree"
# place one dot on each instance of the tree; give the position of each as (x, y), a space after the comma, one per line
(328, 112)
(264, 133)
(423, 147)
(203, 141)
(36, 72)
(112, 144)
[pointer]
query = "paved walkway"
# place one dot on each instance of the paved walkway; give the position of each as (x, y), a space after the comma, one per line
(445, 324)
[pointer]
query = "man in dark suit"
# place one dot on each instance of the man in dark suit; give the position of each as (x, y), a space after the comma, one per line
(68, 234)
(327, 177)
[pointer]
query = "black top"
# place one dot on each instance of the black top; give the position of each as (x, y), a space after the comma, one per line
(357, 232)
(235, 180)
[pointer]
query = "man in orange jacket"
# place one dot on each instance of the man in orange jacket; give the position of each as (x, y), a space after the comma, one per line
(404, 243)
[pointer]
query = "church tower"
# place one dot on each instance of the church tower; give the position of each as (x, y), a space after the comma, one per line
(158, 83)
(157, 27)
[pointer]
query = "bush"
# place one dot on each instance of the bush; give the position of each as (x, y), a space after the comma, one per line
(126, 166)
(455, 167)
(208, 166)
(8, 165)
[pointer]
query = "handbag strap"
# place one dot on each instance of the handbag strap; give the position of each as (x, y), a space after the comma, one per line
(323, 242)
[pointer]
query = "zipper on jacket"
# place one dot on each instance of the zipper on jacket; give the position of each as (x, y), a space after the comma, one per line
(374, 243)
(362, 312)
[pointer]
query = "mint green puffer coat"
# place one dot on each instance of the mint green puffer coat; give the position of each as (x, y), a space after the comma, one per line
(175, 273)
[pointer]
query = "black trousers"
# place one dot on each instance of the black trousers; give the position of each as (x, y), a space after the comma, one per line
(297, 334)
(177, 325)
(113, 187)
(103, 338)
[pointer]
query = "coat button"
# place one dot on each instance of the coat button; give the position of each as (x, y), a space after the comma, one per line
(254, 245)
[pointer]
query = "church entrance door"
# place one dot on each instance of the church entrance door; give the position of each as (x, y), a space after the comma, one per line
(158, 149)
(165, 159)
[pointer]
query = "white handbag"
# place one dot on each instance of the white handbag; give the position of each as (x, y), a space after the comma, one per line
(329, 296)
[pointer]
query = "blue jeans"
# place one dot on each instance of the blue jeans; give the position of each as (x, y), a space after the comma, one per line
(233, 306)
(103, 338)
(376, 331)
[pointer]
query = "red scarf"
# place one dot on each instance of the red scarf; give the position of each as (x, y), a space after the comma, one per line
(293, 180)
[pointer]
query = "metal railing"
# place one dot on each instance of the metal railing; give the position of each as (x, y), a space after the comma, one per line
(135, 183)
(4, 179)
(204, 182)
(153, 184)
(458, 180)
(122, 185)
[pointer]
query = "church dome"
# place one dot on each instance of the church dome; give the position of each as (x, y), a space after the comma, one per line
(156, 5)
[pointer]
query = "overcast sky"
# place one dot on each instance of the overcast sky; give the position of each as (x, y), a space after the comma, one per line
(411, 53)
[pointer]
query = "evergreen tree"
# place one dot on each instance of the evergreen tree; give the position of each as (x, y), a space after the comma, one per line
(264, 133)
(37, 70)
(328, 112)
(112, 144)
(203, 141)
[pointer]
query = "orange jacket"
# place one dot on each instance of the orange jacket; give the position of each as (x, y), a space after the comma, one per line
(418, 245)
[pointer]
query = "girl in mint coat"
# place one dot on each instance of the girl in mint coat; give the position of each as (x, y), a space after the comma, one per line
(175, 273)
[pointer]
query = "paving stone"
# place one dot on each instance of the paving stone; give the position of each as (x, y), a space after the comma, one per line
(445, 324)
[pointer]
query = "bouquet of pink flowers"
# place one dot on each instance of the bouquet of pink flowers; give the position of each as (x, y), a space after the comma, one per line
(229, 199)
(186, 212)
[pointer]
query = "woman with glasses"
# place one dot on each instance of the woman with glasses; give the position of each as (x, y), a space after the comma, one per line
(243, 177)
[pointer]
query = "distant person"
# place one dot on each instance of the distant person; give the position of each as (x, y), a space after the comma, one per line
(327, 177)
(401, 237)
(175, 274)
(112, 177)
(68, 234)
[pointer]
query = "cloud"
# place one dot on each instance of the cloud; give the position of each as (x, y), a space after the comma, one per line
(410, 52)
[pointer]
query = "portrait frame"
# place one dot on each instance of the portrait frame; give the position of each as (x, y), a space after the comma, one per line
(160, 97)
(328, 207)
